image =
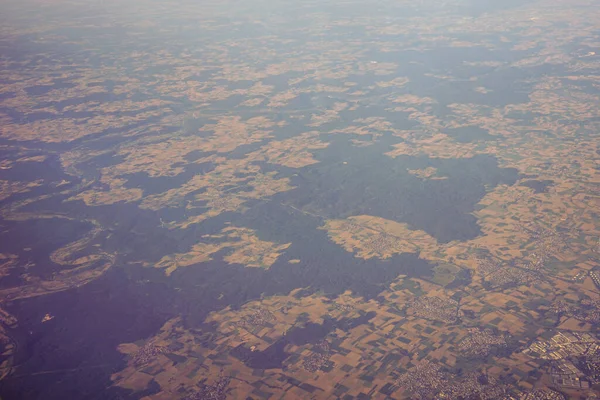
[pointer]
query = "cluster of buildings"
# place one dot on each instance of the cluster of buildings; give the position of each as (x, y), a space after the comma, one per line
(381, 243)
(435, 308)
(480, 342)
(428, 381)
(512, 276)
(259, 317)
(539, 394)
(474, 385)
(564, 345)
(595, 275)
(575, 359)
(537, 232)
(221, 201)
(147, 353)
(547, 241)
(216, 391)
(422, 381)
(591, 310)
(352, 227)
(318, 358)
(588, 310)
(580, 276)
(565, 373)
(343, 307)
(487, 266)
(378, 243)
(497, 275)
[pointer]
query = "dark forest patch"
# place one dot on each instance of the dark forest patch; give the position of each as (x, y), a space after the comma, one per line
(538, 186)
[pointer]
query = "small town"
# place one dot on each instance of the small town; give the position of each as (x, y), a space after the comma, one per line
(481, 342)
(216, 391)
(435, 308)
(318, 358)
(147, 353)
(258, 317)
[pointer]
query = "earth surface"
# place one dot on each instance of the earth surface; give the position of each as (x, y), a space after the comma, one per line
(299, 199)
